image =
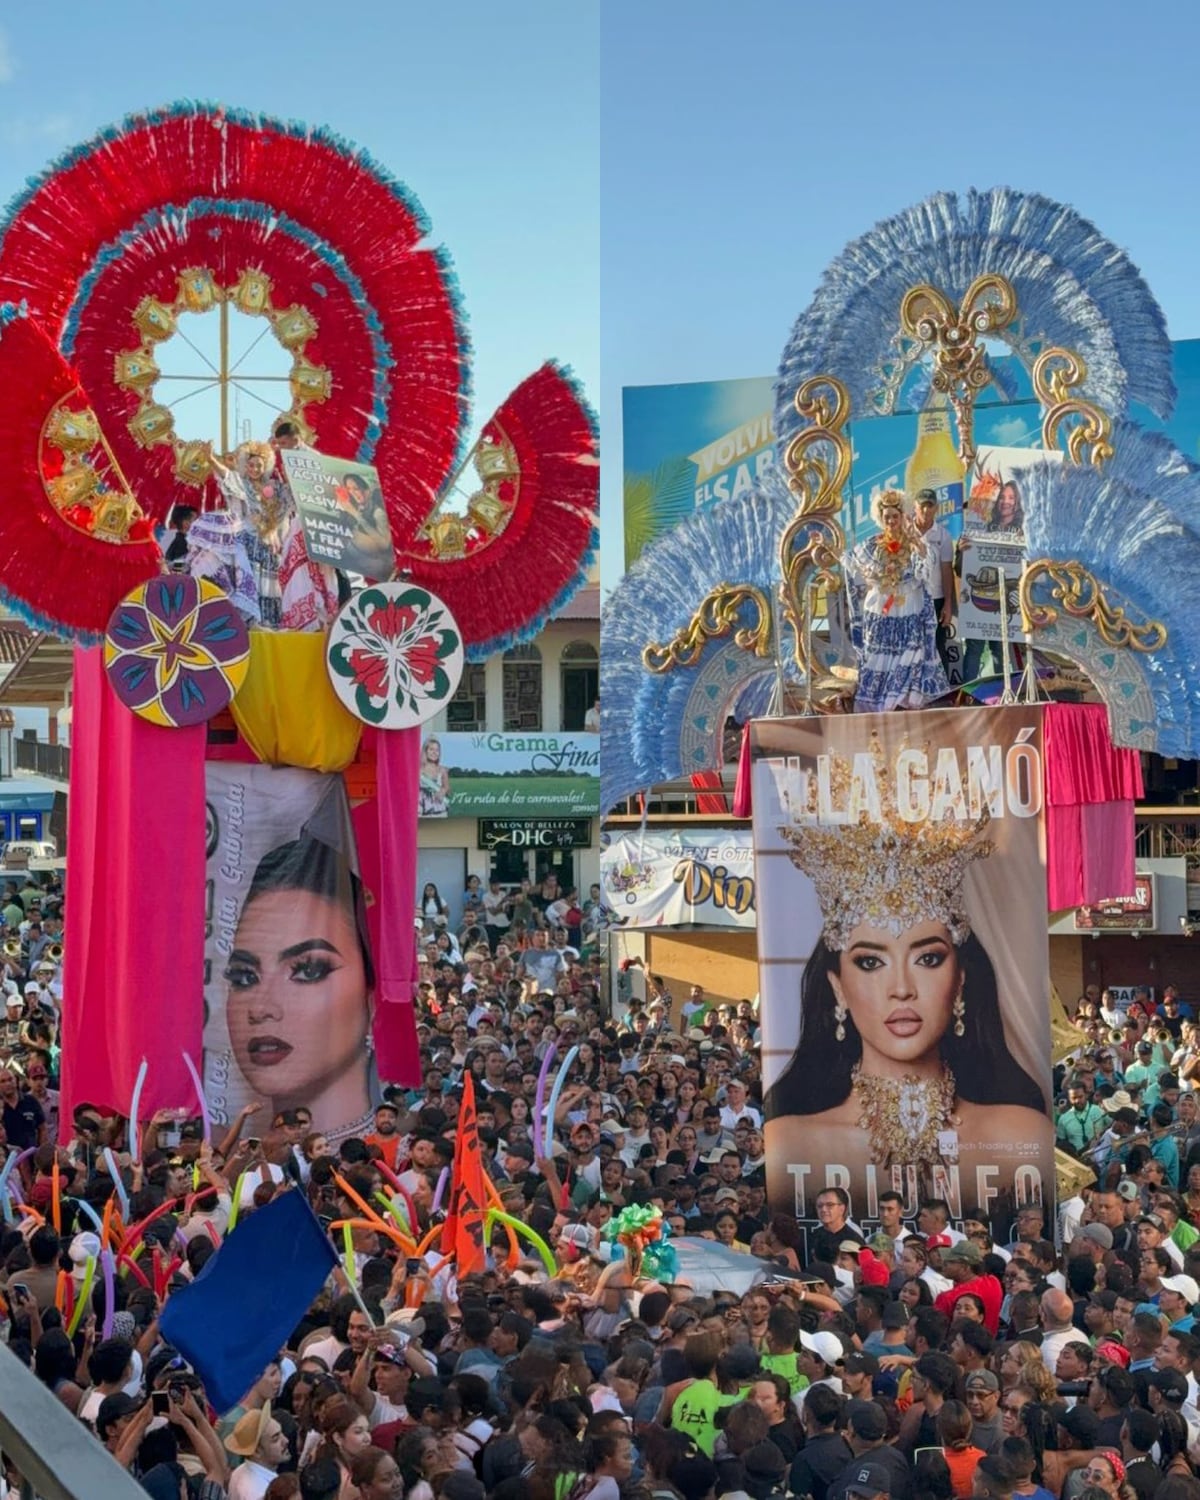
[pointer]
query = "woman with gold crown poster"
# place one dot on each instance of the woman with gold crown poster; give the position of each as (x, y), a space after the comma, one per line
(902, 900)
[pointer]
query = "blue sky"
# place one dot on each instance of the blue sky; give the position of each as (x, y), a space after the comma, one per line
(744, 144)
(489, 113)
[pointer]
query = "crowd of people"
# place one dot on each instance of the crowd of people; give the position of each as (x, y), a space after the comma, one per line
(916, 1357)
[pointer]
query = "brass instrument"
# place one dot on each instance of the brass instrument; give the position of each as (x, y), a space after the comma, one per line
(12, 948)
(53, 955)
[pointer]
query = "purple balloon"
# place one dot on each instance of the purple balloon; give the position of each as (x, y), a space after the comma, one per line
(539, 1100)
(106, 1262)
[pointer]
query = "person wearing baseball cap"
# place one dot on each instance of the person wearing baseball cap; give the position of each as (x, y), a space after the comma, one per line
(963, 1264)
(869, 1479)
(982, 1390)
(1176, 1299)
(858, 1371)
(820, 1361)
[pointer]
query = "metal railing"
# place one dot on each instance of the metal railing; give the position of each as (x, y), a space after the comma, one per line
(53, 761)
(1167, 833)
(56, 1456)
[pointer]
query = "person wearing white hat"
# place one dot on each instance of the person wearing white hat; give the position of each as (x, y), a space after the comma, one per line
(1178, 1297)
(821, 1357)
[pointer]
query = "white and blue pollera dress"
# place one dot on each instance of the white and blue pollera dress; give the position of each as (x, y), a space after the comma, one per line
(893, 629)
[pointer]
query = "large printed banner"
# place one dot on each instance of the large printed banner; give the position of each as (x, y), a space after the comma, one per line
(505, 775)
(286, 981)
(903, 959)
(680, 878)
(690, 446)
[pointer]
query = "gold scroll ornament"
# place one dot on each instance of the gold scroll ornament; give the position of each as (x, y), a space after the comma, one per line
(954, 336)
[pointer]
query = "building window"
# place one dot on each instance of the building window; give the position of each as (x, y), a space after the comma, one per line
(580, 667)
(467, 710)
(522, 689)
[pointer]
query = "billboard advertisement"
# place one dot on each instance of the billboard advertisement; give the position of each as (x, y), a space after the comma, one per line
(903, 959)
(690, 446)
(680, 878)
(287, 987)
(490, 775)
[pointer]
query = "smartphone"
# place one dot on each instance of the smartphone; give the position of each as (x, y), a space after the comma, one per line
(19, 1290)
(253, 1142)
(413, 1265)
(160, 1403)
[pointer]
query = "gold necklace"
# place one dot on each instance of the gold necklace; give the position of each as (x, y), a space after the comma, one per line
(891, 559)
(904, 1116)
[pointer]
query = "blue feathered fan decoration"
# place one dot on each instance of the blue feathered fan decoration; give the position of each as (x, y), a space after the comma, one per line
(660, 726)
(1134, 525)
(1074, 288)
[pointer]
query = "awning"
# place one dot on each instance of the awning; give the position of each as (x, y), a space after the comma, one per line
(41, 674)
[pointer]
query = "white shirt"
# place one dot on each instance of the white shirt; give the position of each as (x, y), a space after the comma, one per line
(939, 545)
(327, 1349)
(254, 1179)
(936, 1284)
(730, 1116)
(1054, 1343)
(250, 1481)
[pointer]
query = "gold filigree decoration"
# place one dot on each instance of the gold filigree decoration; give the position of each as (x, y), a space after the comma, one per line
(954, 337)
(1082, 596)
(199, 291)
(817, 463)
(83, 480)
(717, 616)
(1057, 376)
(489, 508)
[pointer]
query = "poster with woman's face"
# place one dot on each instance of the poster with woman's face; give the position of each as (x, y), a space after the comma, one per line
(903, 959)
(287, 994)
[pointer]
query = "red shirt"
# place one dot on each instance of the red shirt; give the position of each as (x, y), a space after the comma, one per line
(986, 1288)
(386, 1147)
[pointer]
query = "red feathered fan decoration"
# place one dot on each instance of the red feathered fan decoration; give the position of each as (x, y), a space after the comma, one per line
(73, 540)
(182, 209)
(529, 489)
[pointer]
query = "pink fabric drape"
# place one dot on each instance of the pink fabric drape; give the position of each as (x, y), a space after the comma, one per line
(134, 961)
(386, 834)
(1091, 788)
(742, 800)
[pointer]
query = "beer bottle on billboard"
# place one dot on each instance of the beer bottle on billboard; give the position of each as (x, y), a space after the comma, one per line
(935, 464)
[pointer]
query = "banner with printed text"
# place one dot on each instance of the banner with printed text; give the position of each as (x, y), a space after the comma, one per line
(508, 775)
(287, 984)
(903, 959)
(679, 878)
(341, 509)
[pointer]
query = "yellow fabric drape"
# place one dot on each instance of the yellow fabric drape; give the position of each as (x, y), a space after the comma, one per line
(287, 710)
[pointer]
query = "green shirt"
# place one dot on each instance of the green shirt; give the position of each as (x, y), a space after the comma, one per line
(787, 1365)
(695, 1411)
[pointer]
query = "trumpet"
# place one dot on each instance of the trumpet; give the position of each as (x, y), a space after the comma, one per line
(53, 954)
(12, 948)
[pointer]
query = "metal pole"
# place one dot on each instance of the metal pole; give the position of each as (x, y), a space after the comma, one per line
(224, 376)
(1007, 695)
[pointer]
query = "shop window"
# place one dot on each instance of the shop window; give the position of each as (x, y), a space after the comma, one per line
(580, 668)
(509, 865)
(467, 710)
(522, 689)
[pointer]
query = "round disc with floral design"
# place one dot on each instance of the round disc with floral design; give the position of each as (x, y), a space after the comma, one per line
(176, 650)
(395, 655)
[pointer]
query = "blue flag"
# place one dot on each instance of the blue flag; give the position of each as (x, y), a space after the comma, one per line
(239, 1312)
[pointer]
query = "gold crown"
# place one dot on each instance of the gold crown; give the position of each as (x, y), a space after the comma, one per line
(885, 869)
